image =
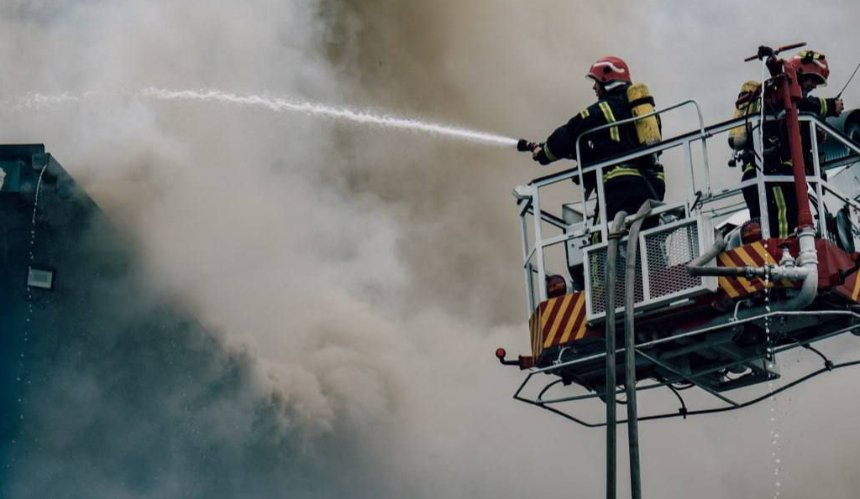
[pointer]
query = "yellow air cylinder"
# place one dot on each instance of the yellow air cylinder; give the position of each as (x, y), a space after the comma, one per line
(641, 103)
(745, 105)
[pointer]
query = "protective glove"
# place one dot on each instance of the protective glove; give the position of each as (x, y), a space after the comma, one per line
(839, 106)
(539, 155)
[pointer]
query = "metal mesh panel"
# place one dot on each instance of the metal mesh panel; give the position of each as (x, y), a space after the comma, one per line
(668, 253)
(597, 275)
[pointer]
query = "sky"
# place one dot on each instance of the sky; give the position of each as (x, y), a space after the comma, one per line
(357, 280)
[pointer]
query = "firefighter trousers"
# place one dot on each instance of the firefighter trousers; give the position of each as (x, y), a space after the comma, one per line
(628, 192)
(781, 205)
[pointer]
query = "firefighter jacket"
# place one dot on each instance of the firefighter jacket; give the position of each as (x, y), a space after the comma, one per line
(602, 144)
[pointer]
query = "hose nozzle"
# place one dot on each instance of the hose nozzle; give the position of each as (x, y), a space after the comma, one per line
(524, 145)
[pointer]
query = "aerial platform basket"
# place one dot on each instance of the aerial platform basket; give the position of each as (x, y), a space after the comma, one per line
(717, 332)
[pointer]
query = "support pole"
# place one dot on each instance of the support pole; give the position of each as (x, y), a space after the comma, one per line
(630, 348)
(615, 234)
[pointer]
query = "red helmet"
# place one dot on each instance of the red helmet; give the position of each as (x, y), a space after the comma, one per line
(811, 63)
(609, 69)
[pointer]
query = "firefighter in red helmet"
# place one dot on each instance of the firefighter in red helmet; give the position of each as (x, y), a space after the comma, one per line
(627, 185)
(812, 71)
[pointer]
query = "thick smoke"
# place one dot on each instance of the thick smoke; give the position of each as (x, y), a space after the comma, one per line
(351, 284)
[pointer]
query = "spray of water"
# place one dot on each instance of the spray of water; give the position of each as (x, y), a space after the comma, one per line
(317, 109)
(281, 104)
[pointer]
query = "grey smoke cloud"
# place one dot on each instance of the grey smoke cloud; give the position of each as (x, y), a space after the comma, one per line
(357, 281)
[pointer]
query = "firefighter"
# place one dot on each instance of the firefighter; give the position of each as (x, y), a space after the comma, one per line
(627, 185)
(812, 71)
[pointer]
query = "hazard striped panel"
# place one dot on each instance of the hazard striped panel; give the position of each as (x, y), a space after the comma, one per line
(558, 321)
(750, 255)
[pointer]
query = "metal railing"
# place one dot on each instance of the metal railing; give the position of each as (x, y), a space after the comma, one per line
(698, 198)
